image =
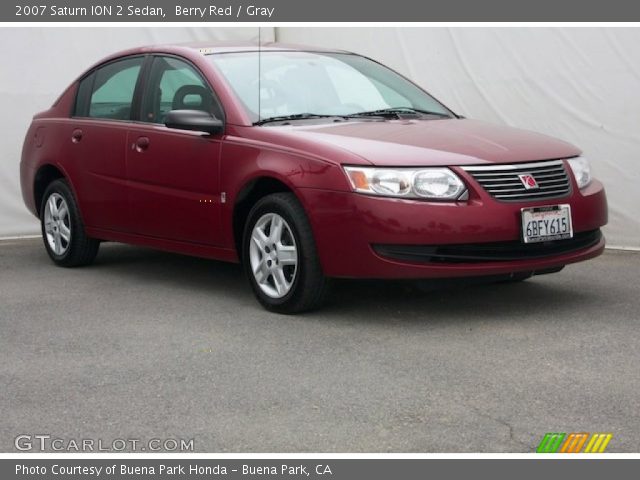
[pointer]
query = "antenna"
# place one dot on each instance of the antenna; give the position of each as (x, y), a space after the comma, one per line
(259, 73)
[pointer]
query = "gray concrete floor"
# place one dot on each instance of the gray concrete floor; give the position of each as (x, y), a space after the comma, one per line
(146, 344)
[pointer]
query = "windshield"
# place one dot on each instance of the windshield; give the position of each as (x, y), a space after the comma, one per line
(277, 84)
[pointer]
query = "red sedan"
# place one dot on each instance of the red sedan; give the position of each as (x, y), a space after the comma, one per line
(303, 164)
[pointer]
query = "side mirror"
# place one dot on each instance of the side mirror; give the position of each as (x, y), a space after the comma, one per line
(196, 120)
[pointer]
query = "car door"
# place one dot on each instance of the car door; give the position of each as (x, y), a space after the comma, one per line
(174, 174)
(95, 152)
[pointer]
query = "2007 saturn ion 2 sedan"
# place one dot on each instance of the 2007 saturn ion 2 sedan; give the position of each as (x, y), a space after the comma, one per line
(302, 164)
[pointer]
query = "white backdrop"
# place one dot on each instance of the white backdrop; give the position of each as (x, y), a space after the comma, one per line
(39, 63)
(579, 84)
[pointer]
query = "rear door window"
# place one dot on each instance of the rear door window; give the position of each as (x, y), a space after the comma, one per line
(108, 92)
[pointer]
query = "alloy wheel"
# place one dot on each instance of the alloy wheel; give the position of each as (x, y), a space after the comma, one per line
(57, 224)
(273, 255)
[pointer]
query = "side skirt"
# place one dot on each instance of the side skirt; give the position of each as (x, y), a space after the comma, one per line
(185, 248)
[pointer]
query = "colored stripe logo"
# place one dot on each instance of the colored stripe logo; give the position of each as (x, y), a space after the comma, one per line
(574, 442)
(550, 443)
(598, 443)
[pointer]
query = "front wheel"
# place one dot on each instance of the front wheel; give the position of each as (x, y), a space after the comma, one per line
(280, 258)
(62, 229)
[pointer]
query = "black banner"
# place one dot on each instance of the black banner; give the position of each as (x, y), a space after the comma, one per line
(313, 11)
(319, 469)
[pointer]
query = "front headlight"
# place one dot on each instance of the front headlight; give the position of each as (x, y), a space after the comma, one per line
(581, 171)
(427, 183)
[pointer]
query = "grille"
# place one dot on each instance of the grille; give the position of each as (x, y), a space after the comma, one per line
(503, 182)
(488, 252)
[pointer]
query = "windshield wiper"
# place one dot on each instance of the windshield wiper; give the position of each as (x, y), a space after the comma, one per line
(297, 116)
(395, 111)
(385, 112)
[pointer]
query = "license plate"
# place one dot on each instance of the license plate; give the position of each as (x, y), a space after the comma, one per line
(542, 224)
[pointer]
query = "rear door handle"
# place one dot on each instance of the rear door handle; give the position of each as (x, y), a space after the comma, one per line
(76, 136)
(142, 143)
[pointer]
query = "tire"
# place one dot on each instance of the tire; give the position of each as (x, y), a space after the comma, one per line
(62, 228)
(516, 277)
(280, 285)
(522, 276)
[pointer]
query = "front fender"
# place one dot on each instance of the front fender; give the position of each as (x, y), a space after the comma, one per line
(244, 161)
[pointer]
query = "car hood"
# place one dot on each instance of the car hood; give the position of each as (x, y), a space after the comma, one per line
(433, 142)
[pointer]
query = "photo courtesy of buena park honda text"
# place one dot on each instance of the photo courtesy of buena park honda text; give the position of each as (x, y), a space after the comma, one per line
(286, 239)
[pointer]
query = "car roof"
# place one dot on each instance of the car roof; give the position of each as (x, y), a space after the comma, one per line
(229, 47)
(207, 48)
(194, 49)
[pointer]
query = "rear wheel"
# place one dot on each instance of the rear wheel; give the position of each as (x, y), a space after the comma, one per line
(280, 258)
(62, 229)
(515, 277)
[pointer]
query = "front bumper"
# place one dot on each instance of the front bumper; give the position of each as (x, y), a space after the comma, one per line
(349, 228)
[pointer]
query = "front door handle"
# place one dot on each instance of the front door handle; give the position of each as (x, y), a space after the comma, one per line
(76, 135)
(142, 143)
